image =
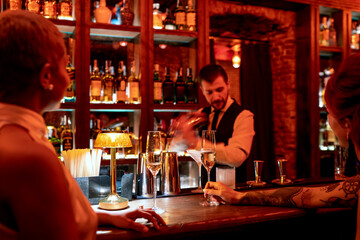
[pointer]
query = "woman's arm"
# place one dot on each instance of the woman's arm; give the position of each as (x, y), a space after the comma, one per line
(340, 194)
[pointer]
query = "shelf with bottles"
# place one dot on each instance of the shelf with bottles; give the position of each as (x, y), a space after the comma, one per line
(59, 11)
(175, 16)
(355, 32)
(331, 28)
(111, 13)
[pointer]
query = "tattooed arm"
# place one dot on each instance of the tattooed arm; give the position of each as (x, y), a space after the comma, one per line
(333, 195)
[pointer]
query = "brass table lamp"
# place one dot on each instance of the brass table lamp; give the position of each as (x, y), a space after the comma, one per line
(113, 140)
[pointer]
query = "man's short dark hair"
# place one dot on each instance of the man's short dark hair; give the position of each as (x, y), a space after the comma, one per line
(210, 72)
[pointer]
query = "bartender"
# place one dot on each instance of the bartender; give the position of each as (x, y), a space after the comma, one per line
(234, 125)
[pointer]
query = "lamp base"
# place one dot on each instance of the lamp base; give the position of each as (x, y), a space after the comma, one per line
(113, 202)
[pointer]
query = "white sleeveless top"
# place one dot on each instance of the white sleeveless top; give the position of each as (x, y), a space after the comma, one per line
(85, 217)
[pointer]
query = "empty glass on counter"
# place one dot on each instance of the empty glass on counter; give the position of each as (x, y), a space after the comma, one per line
(258, 164)
(154, 160)
(196, 155)
(282, 180)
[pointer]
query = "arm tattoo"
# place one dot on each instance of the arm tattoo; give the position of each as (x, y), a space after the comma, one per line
(280, 197)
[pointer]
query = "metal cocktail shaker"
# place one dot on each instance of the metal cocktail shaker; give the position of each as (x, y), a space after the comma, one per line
(144, 179)
(170, 181)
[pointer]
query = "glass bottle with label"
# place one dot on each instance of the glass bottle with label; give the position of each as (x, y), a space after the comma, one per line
(70, 91)
(180, 88)
(33, 6)
(324, 32)
(168, 88)
(332, 33)
(121, 83)
(50, 9)
(14, 4)
(65, 10)
(108, 81)
(157, 16)
(190, 88)
(157, 85)
(190, 17)
(169, 22)
(67, 135)
(127, 16)
(95, 84)
(180, 16)
(133, 85)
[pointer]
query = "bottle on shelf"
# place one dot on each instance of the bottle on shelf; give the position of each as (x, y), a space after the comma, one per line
(180, 87)
(121, 83)
(95, 84)
(190, 16)
(321, 89)
(190, 87)
(169, 22)
(180, 16)
(67, 138)
(50, 9)
(70, 91)
(157, 16)
(354, 36)
(108, 81)
(157, 85)
(133, 85)
(332, 33)
(168, 88)
(14, 4)
(65, 10)
(54, 139)
(324, 32)
(102, 14)
(127, 16)
(33, 6)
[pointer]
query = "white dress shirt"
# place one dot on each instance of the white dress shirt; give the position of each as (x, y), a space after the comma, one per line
(239, 144)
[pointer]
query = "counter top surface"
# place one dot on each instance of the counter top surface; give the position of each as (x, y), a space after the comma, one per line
(184, 214)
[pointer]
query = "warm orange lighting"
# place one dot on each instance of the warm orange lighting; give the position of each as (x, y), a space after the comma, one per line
(162, 46)
(236, 60)
(123, 43)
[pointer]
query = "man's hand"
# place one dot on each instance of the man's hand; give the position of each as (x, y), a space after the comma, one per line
(222, 192)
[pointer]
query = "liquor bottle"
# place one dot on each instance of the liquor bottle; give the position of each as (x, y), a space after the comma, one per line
(190, 88)
(180, 88)
(50, 9)
(324, 32)
(108, 83)
(133, 85)
(102, 14)
(67, 136)
(157, 16)
(127, 16)
(168, 88)
(157, 85)
(332, 33)
(70, 91)
(95, 83)
(14, 4)
(190, 17)
(169, 22)
(54, 139)
(354, 36)
(121, 83)
(65, 10)
(33, 6)
(180, 16)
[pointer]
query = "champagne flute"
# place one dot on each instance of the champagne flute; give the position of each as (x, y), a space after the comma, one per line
(208, 151)
(196, 155)
(153, 160)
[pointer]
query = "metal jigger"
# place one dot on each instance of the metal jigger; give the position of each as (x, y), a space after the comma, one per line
(282, 180)
(257, 168)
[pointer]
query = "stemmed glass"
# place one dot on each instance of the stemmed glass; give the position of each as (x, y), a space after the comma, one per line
(153, 160)
(196, 155)
(208, 151)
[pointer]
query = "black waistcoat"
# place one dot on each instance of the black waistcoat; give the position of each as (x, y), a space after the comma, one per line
(224, 131)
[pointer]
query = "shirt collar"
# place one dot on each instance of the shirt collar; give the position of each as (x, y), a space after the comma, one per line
(228, 103)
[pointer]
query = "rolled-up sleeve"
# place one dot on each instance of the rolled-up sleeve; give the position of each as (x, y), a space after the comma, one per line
(239, 145)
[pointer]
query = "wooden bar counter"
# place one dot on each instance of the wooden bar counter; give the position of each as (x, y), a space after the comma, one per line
(187, 219)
